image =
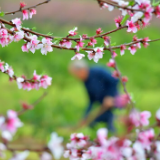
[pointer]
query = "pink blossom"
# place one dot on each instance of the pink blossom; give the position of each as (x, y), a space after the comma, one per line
(1, 66)
(124, 79)
(36, 77)
(25, 14)
(78, 141)
(145, 42)
(135, 39)
(26, 86)
(157, 11)
(45, 81)
(132, 49)
(111, 63)
(24, 48)
(17, 22)
(84, 36)
(4, 37)
(22, 4)
(123, 47)
(73, 32)
(136, 16)
(33, 44)
(114, 54)
(20, 156)
(122, 100)
(115, 74)
(158, 116)
(18, 36)
(131, 27)
(99, 31)
(66, 43)
(96, 55)
(118, 21)
(10, 72)
(19, 82)
(32, 12)
(3, 33)
(144, 116)
(92, 42)
(55, 145)
(46, 46)
(146, 137)
(106, 40)
(12, 122)
(45, 156)
(79, 44)
(91, 55)
(78, 56)
(102, 135)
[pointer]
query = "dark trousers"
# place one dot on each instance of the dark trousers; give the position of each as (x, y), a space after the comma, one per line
(108, 118)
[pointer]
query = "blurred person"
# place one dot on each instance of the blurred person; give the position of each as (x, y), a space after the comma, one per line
(101, 87)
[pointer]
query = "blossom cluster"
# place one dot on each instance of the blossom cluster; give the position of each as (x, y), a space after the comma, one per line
(36, 82)
(8, 128)
(140, 12)
(144, 145)
(27, 13)
(9, 125)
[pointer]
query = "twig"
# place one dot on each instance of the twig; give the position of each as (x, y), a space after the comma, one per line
(28, 8)
(118, 6)
(120, 76)
(33, 104)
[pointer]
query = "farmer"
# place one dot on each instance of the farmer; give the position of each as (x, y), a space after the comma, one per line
(101, 87)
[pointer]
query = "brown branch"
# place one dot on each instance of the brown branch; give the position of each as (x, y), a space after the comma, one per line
(120, 76)
(34, 103)
(118, 6)
(66, 38)
(28, 8)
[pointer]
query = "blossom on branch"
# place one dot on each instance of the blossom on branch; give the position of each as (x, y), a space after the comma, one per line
(131, 27)
(32, 12)
(22, 4)
(99, 31)
(46, 46)
(11, 123)
(25, 14)
(17, 22)
(65, 43)
(123, 48)
(111, 63)
(79, 44)
(33, 44)
(73, 32)
(55, 145)
(133, 49)
(78, 56)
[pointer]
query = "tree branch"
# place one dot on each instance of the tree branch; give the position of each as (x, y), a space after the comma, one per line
(28, 8)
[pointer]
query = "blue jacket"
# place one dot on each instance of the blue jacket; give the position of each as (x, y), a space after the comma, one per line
(100, 84)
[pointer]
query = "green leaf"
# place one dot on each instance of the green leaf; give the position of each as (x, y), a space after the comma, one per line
(154, 4)
(49, 34)
(58, 38)
(125, 19)
(113, 44)
(2, 14)
(131, 3)
(55, 42)
(34, 28)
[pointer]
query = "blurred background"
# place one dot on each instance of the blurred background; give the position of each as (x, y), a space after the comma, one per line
(67, 99)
